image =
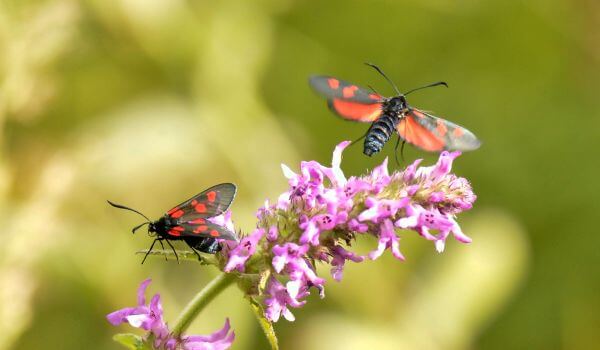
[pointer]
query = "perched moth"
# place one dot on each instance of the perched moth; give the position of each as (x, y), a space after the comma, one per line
(188, 221)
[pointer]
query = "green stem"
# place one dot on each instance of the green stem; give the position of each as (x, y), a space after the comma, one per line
(205, 296)
(266, 325)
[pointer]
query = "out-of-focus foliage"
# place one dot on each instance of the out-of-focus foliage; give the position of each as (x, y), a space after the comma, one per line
(147, 102)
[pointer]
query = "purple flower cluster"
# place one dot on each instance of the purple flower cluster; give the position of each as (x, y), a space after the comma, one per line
(150, 318)
(323, 209)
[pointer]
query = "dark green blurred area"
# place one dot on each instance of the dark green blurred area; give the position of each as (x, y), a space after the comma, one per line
(147, 102)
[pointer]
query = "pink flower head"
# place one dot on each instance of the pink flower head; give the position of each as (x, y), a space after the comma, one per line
(323, 211)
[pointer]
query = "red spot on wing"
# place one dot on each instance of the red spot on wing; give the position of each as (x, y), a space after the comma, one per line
(176, 231)
(200, 229)
(194, 202)
(215, 233)
(361, 112)
(375, 97)
(200, 208)
(177, 214)
(173, 210)
(418, 135)
(197, 221)
(349, 91)
(333, 83)
(458, 132)
(441, 128)
(212, 195)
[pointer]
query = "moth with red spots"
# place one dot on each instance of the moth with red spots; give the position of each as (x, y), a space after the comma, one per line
(392, 114)
(189, 222)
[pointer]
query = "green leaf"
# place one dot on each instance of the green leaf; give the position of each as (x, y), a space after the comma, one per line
(265, 324)
(131, 341)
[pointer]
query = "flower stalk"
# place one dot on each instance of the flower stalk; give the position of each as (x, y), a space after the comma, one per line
(203, 298)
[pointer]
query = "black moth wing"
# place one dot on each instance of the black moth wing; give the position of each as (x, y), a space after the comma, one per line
(432, 133)
(208, 203)
(202, 244)
(336, 89)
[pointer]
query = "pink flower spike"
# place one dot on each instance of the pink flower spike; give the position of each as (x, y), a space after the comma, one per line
(323, 211)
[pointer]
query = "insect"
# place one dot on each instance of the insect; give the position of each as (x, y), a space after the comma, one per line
(188, 221)
(392, 114)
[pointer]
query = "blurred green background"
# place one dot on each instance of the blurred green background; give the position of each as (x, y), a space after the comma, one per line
(146, 102)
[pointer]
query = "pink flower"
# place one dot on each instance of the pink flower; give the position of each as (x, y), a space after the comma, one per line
(277, 301)
(243, 250)
(340, 255)
(291, 258)
(150, 318)
(387, 239)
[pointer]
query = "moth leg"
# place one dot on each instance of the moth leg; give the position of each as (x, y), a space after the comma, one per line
(163, 248)
(402, 150)
(149, 250)
(197, 254)
(362, 137)
(174, 252)
(396, 151)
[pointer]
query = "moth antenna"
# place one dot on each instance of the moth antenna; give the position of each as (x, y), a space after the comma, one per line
(139, 226)
(373, 89)
(385, 76)
(428, 86)
(127, 208)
